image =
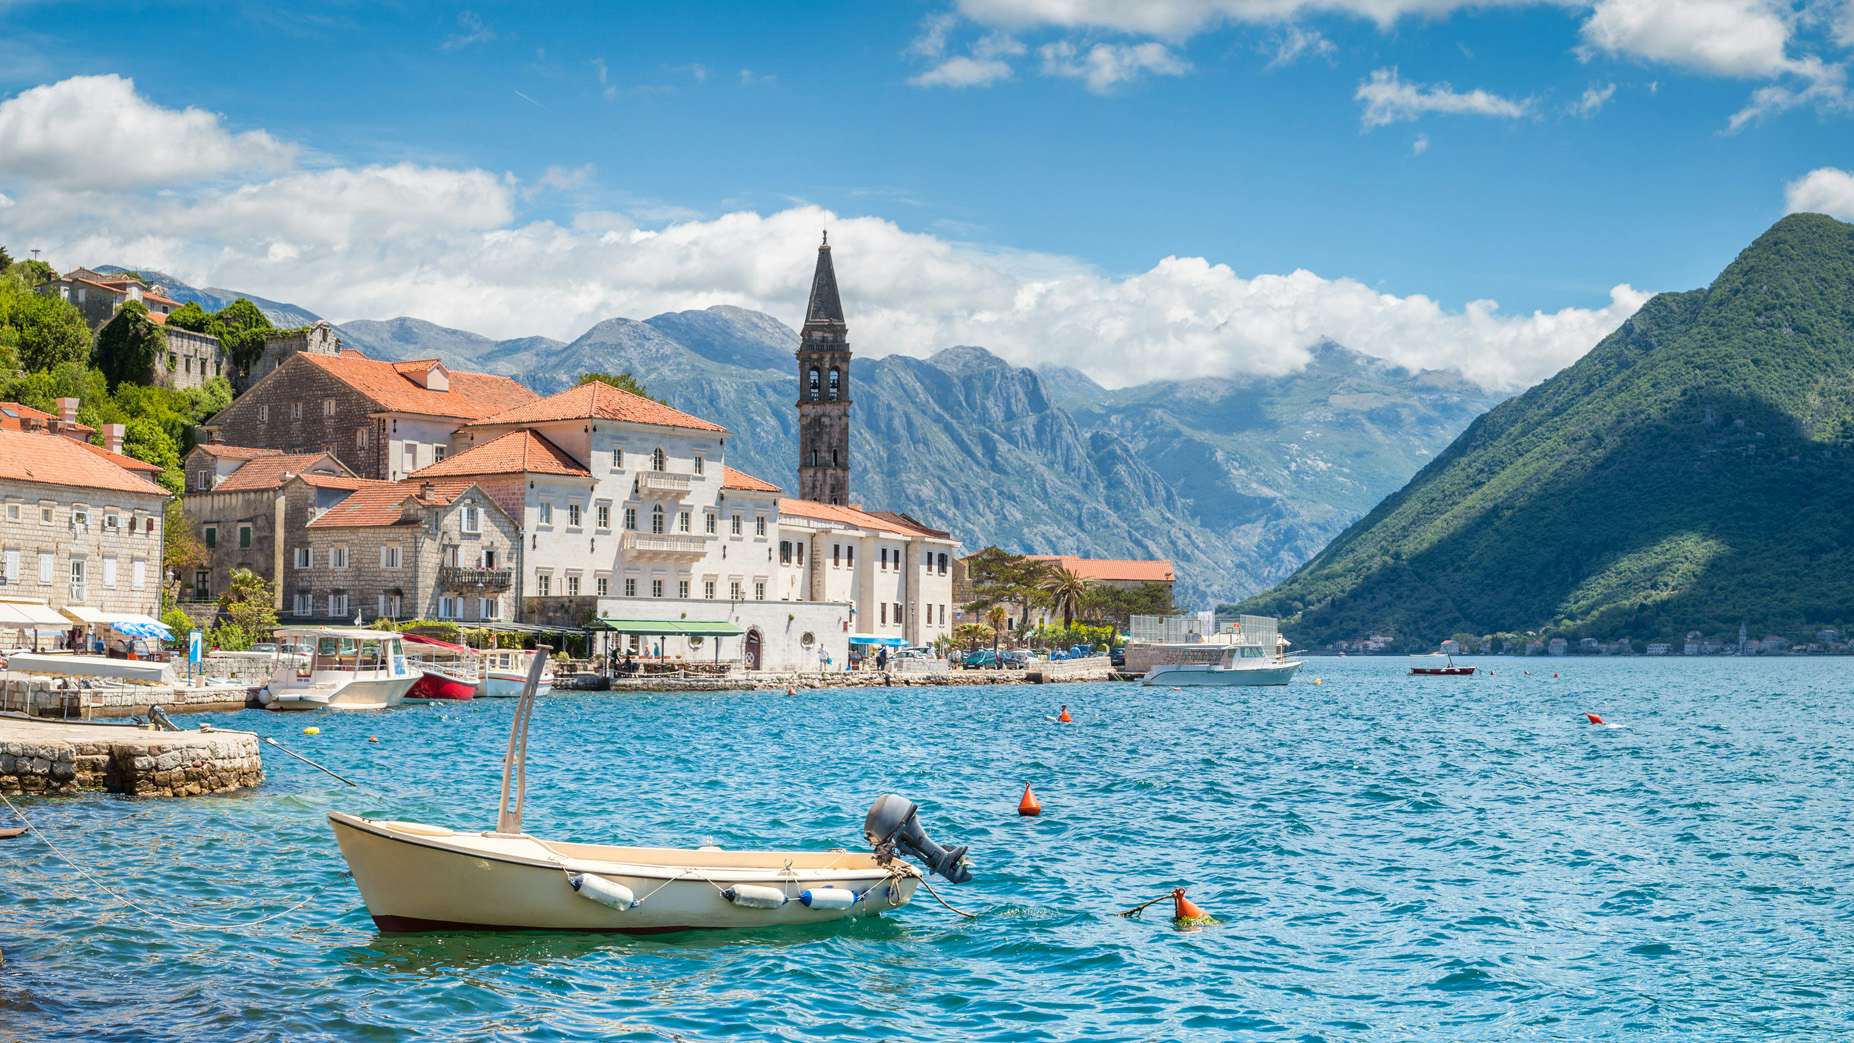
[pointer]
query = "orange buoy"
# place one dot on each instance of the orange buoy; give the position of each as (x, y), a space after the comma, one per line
(1064, 715)
(373, 738)
(1185, 909)
(1594, 719)
(1029, 807)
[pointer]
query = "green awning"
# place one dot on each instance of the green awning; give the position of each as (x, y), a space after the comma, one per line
(670, 627)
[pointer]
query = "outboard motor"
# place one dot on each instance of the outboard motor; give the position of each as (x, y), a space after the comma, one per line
(892, 823)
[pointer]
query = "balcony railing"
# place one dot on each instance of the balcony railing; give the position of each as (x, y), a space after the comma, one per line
(665, 545)
(457, 577)
(664, 483)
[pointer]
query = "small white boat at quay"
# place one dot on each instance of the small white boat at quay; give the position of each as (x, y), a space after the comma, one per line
(1252, 654)
(417, 877)
(505, 670)
(347, 668)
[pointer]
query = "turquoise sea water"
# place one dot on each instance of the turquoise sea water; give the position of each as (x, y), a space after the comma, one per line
(1386, 858)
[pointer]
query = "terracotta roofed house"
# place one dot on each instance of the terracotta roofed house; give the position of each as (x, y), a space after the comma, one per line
(384, 420)
(249, 507)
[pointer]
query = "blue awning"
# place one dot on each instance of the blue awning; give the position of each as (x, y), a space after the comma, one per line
(876, 639)
(150, 630)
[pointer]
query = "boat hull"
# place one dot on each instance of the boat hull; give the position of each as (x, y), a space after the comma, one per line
(434, 687)
(420, 878)
(371, 694)
(1442, 671)
(1206, 676)
(502, 685)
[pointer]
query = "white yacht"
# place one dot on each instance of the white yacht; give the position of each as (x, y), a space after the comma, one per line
(1252, 653)
(339, 668)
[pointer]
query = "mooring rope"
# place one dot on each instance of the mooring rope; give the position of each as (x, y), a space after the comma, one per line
(928, 884)
(137, 906)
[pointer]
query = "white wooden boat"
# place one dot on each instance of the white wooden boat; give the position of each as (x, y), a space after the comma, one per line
(417, 877)
(348, 668)
(505, 669)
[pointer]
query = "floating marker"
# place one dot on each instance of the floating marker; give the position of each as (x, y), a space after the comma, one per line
(1319, 680)
(789, 690)
(312, 730)
(373, 738)
(1064, 715)
(1594, 719)
(1029, 807)
(1554, 675)
(1185, 912)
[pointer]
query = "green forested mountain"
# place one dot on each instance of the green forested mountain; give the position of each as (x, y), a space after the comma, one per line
(1694, 471)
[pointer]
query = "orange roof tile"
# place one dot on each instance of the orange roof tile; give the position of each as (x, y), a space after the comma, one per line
(127, 463)
(733, 479)
(383, 503)
(472, 396)
(47, 459)
(235, 452)
(11, 413)
(850, 516)
(148, 296)
(268, 472)
(1121, 569)
(157, 318)
(518, 452)
(597, 400)
(335, 481)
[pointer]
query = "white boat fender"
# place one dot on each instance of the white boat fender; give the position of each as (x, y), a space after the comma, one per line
(828, 898)
(603, 891)
(755, 896)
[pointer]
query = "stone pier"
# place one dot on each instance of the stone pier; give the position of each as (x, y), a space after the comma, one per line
(51, 757)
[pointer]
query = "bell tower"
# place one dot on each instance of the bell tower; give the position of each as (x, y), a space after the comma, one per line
(824, 391)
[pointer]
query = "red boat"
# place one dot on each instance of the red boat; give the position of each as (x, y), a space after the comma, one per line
(1451, 670)
(446, 671)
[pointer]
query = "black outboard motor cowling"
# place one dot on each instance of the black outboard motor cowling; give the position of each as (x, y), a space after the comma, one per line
(892, 822)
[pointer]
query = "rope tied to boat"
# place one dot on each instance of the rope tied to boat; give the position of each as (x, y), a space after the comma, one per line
(137, 906)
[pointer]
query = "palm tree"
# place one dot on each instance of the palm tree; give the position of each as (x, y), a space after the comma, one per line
(1064, 592)
(997, 617)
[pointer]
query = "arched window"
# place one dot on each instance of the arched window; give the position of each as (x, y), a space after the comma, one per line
(658, 460)
(656, 519)
(834, 383)
(812, 384)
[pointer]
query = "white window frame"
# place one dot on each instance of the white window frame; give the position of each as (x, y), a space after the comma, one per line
(304, 557)
(338, 557)
(392, 556)
(471, 520)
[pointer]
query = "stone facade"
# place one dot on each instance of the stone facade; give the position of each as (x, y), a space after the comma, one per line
(824, 391)
(450, 555)
(316, 339)
(300, 409)
(191, 359)
(254, 525)
(98, 548)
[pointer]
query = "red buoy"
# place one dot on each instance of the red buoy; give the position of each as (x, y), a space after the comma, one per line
(1183, 908)
(1029, 807)
(1594, 719)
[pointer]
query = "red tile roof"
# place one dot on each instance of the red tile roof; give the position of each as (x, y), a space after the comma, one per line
(597, 400)
(1121, 569)
(472, 396)
(849, 516)
(149, 296)
(157, 318)
(11, 413)
(383, 503)
(518, 452)
(732, 479)
(47, 459)
(335, 481)
(127, 463)
(269, 472)
(235, 452)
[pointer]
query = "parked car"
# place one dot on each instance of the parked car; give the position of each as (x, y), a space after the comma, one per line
(1014, 659)
(980, 659)
(912, 653)
(1118, 657)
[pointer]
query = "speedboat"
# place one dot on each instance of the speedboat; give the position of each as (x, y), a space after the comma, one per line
(417, 877)
(1451, 670)
(447, 671)
(1251, 653)
(346, 668)
(504, 670)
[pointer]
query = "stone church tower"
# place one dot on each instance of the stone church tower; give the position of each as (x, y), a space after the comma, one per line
(824, 391)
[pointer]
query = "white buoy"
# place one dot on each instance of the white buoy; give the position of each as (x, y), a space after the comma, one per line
(755, 896)
(602, 891)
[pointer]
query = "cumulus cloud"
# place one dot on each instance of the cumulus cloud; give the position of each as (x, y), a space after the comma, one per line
(1741, 38)
(1829, 92)
(453, 246)
(1105, 66)
(962, 71)
(1297, 42)
(1389, 99)
(1825, 190)
(1593, 100)
(96, 131)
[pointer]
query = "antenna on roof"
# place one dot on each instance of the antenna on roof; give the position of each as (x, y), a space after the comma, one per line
(825, 243)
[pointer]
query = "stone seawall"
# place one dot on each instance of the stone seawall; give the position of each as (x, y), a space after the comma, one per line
(43, 757)
(1043, 673)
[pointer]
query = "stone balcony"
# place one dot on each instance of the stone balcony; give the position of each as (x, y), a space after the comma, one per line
(487, 581)
(665, 546)
(664, 483)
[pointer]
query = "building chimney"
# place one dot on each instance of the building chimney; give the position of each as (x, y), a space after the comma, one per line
(426, 490)
(112, 437)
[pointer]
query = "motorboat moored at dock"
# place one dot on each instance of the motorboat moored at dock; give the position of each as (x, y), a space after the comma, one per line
(447, 671)
(1252, 653)
(347, 668)
(504, 670)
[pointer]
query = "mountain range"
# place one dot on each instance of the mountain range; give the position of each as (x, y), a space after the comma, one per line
(1690, 473)
(1236, 480)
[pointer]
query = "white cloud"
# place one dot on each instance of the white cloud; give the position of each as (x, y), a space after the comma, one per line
(1741, 38)
(1825, 190)
(96, 131)
(471, 30)
(1177, 19)
(1593, 100)
(1828, 92)
(1389, 99)
(1842, 26)
(452, 246)
(962, 71)
(1296, 43)
(1104, 66)
(1420, 145)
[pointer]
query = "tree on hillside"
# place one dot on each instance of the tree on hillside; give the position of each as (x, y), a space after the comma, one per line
(241, 327)
(36, 273)
(621, 381)
(6, 259)
(129, 346)
(42, 330)
(190, 316)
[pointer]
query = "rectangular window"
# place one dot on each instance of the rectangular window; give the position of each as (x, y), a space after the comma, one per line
(682, 588)
(543, 584)
(138, 573)
(296, 410)
(601, 585)
(244, 536)
(759, 525)
(734, 524)
(708, 522)
(882, 562)
(360, 439)
(212, 537)
(438, 452)
(759, 590)
(572, 584)
(603, 516)
(202, 481)
(942, 615)
(264, 412)
(573, 515)
(785, 552)
(202, 587)
(630, 586)
(337, 557)
(546, 511)
(656, 588)
(884, 608)
(486, 558)
(849, 555)
(834, 561)
(682, 522)
(303, 603)
(45, 567)
(630, 519)
(302, 557)
(486, 608)
(733, 590)
(411, 455)
(12, 512)
(708, 589)
(448, 606)
(45, 513)
(698, 463)
(77, 579)
(328, 407)
(109, 572)
(338, 605)
(12, 566)
(897, 613)
(618, 459)
(798, 547)
(389, 556)
(80, 518)
(472, 520)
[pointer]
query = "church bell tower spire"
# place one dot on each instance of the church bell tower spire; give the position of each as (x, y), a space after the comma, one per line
(824, 390)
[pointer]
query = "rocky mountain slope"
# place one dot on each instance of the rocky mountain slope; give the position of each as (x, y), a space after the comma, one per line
(1690, 472)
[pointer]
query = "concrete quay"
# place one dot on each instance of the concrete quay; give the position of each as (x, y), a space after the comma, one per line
(56, 757)
(1042, 673)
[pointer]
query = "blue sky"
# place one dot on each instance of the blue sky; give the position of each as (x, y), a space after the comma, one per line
(1201, 136)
